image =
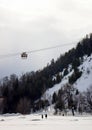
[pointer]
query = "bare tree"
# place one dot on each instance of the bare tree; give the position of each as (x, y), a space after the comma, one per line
(89, 98)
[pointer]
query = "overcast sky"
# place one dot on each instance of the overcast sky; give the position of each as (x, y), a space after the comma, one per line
(26, 25)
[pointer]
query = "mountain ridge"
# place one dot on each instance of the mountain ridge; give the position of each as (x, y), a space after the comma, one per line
(28, 88)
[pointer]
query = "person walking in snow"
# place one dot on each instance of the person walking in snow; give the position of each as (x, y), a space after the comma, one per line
(73, 111)
(42, 116)
(46, 116)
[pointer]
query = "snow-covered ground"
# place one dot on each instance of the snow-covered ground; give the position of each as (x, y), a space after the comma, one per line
(34, 122)
(84, 82)
(57, 87)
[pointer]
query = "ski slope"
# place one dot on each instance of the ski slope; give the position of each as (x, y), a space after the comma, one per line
(84, 82)
(34, 122)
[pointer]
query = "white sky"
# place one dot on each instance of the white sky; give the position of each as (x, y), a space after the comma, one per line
(32, 24)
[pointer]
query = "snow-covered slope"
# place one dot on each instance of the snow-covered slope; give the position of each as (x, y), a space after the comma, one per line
(56, 87)
(84, 82)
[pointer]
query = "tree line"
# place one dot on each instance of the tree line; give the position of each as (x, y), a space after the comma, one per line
(69, 98)
(20, 93)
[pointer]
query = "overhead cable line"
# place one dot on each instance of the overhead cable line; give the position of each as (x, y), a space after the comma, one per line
(49, 48)
(24, 54)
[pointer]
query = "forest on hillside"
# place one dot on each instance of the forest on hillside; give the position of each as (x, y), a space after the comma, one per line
(19, 94)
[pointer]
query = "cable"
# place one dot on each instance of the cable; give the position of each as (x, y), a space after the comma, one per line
(9, 55)
(34, 51)
(49, 48)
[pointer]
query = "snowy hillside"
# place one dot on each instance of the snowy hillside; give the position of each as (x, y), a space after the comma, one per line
(84, 82)
(62, 82)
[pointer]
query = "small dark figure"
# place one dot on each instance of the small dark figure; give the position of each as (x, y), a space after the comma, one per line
(62, 114)
(73, 111)
(42, 116)
(80, 110)
(45, 115)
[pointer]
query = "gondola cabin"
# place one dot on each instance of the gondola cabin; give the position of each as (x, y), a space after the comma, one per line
(24, 55)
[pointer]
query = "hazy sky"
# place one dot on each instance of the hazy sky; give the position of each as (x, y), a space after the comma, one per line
(26, 25)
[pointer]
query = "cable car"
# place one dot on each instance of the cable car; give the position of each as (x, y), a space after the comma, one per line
(24, 55)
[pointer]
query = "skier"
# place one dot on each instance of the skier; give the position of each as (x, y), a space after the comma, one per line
(46, 116)
(42, 116)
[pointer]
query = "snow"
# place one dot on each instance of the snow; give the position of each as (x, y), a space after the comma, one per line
(34, 122)
(84, 82)
(57, 87)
